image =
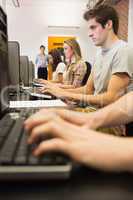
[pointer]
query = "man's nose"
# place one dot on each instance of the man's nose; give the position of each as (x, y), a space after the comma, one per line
(90, 34)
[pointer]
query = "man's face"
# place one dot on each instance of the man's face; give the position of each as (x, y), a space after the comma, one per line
(97, 33)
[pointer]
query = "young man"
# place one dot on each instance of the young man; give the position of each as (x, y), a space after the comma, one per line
(73, 134)
(113, 66)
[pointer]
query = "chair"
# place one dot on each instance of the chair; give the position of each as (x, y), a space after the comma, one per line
(87, 74)
(129, 129)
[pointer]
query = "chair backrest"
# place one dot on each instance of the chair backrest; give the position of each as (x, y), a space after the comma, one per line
(14, 62)
(129, 129)
(24, 70)
(87, 74)
(31, 72)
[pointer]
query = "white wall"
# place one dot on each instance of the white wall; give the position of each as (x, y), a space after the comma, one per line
(29, 25)
(130, 29)
(3, 4)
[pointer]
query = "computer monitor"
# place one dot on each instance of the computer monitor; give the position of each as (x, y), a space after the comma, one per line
(4, 75)
(31, 72)
(4, 81)
(14, 62)
(24, 70)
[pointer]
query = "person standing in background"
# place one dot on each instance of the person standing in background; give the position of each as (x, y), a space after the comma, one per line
(41, 64)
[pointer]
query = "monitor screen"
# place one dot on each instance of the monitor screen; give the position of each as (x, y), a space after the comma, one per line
(14, 62)
(4, 80)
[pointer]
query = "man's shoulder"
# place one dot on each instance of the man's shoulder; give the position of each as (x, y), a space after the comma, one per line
(124, 48)
(124, 45)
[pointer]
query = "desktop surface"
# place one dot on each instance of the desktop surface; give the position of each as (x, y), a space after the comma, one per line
(84, 184)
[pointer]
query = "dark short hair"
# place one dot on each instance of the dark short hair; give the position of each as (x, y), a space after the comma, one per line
(103, 13)
(42, 46)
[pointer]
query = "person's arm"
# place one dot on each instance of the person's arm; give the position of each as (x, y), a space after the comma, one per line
(75, 94)
(117, 84)
(48, 82)
(59, 79)
(91, 148)
(87, 89)
(117, 113)
(67, 87)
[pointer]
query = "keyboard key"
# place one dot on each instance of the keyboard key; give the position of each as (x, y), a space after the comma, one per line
(47, 159)
(6, 125)
(8, 150)
(5, 128)
(21, 155)
(32, 160)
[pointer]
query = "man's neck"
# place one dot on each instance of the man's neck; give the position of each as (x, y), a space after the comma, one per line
(110, 41)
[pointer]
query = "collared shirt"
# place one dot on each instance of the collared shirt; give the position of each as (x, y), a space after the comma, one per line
(75, 73)
(41, 61)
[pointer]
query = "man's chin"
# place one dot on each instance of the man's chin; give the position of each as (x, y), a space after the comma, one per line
(97, 44)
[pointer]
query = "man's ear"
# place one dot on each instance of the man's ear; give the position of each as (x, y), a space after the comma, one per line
(109, 24)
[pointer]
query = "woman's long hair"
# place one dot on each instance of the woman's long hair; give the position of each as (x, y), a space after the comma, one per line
(56, 58)
(76, 48)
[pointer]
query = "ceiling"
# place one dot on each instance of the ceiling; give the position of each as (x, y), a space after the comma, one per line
(31, 3)
(38, 2)
(48, 12)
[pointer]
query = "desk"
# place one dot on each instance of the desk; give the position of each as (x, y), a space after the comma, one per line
(84, 184)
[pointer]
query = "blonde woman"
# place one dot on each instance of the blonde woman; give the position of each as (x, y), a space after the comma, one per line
(76, 67)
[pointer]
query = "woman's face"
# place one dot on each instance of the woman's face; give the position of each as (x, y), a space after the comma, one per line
(50, 59)
(68, 51)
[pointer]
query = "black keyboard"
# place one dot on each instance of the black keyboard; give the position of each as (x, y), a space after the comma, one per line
(14, 149)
